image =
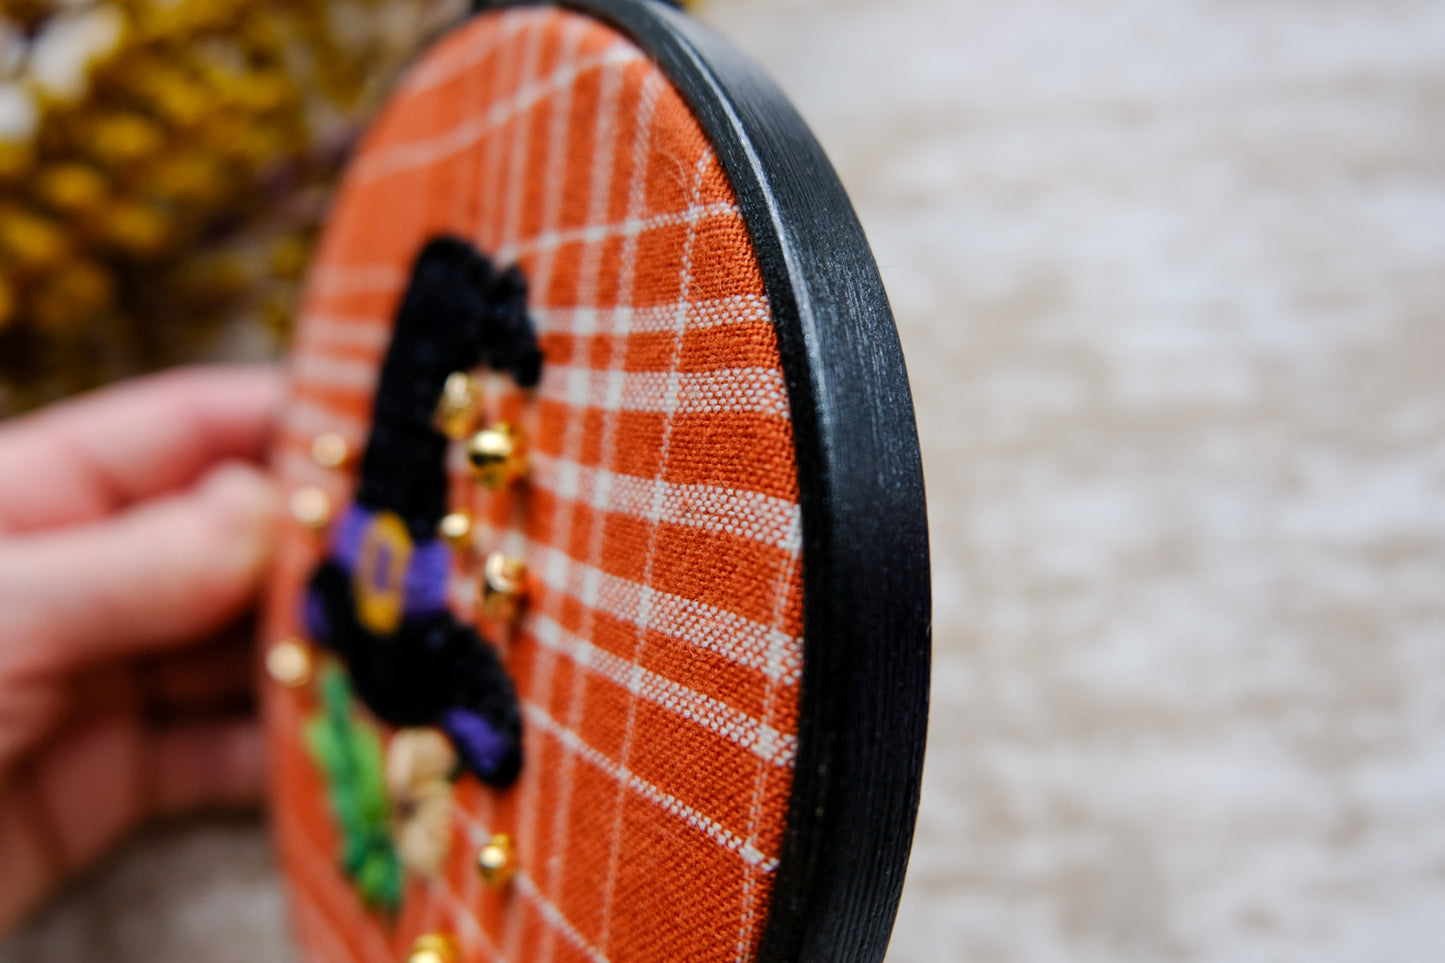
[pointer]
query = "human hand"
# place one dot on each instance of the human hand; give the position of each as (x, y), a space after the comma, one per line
(134, 527)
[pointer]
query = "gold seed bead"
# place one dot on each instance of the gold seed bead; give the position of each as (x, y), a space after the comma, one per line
(495, 861)
(434, 948)
(496, 456)
(456, 530)
(504, 586)
(460, 406)
(311, 507)
(290, 663)
(330, 450)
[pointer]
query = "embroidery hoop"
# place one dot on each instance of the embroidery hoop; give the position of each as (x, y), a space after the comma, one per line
(864, 688)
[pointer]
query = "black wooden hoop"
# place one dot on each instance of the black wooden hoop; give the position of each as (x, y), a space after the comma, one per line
(866, 603)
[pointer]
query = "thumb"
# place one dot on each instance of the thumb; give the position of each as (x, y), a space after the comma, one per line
(168, 571)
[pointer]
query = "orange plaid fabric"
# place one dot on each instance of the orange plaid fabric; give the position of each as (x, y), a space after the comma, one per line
(658, 660)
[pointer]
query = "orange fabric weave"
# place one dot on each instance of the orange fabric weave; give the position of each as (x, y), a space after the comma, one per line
(659, 656)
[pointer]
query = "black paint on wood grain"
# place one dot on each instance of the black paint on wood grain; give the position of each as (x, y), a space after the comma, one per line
(867, 610)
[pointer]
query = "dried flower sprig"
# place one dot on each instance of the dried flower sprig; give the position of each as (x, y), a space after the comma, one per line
(163, 168)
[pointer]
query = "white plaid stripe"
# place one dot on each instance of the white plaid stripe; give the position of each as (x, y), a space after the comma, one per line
(324, 371)
(560, 923)
(463, 910)
(321, 331)
(625, 778)
(339, 281)
(758, 390)
(601, 177)
(304, 420)
(645, 608)
(647, 102)
(742, 389)
(631, 227)
(331, 948)
(738, 727)
(490, 233)
(555, 168)
(747, 514)
(742, 641)
(476, 834)
(426, 152)
(750, 909)
(697, 315)
(521, 133)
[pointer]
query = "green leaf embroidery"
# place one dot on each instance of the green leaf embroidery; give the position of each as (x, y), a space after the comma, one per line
(348, 750)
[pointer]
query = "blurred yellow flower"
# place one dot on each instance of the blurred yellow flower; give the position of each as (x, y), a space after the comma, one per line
(163, 168)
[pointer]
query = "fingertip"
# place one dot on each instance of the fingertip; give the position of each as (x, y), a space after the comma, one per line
(86, 458)
(32, 866)
(242, 494)
(241, 504)
(161, 574)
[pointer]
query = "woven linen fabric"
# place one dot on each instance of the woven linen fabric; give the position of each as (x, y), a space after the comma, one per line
(659, 656)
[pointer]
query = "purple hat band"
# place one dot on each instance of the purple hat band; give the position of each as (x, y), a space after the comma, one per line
(424, 586)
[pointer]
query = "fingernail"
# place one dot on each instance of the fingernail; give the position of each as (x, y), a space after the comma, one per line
(245, 504)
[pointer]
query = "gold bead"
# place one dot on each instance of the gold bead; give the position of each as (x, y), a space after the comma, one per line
(495, 861)
(504, 585)
(290, 663)
(330, 450)
(460, 406)
(496, 456)
(456, 530)
(311, 507)
(434, 948)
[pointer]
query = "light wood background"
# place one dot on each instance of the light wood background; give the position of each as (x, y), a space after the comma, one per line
(1170, 276)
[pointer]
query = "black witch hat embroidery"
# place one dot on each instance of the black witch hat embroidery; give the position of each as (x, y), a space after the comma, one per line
(378, 600)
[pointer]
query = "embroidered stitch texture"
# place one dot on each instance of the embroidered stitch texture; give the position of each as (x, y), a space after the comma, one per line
(379, 597)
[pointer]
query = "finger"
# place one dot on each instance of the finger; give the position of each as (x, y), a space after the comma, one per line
(32, 866)
(83, 459)
(96, 784)
(218, 678)
(91, 786)
(173, 570)
(207, 766)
